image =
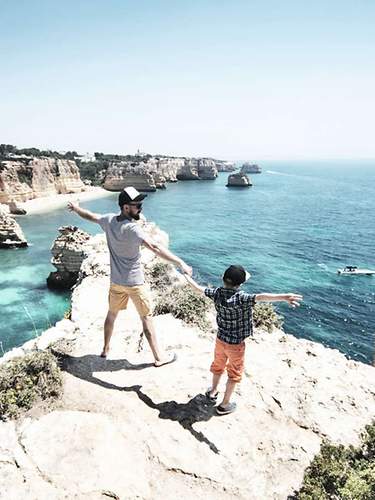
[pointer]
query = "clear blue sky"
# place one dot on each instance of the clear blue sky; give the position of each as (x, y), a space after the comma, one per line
(233, 79)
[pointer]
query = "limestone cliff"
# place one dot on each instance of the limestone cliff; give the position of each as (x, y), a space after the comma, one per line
(125, 174)
(155, 428)
(188, 171)
(29, 178)
(207, 169)
(168, 167)
(155, 172)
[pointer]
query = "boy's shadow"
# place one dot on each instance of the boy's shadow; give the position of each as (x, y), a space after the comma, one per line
(198, 409)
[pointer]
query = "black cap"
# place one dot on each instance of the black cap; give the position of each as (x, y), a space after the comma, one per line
(130, 195)
(236, 275)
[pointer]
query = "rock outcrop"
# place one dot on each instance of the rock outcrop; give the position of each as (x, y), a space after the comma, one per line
(239, 180)
(207, 169)
(155, 428)
(225, 166)
(4, 209)
(11, 234)
(156, 172)
(168, 168)
(188, 171)
(251, 168)
(68, 252)
(29, 178)
(124, 174)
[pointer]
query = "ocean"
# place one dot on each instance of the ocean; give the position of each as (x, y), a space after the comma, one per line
(292, 230)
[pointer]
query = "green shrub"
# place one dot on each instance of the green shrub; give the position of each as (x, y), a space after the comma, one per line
(266, 318)
(185, 304)
(26, 379)
(159, 276)
(342, 473)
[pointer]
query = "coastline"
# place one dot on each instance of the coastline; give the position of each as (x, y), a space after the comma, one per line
(45, 204)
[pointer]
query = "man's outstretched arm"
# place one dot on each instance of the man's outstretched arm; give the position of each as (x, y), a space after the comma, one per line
(198, 288)
(165, 254)
(85, 214)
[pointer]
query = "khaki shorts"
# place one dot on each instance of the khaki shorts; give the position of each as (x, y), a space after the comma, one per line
(119, 295)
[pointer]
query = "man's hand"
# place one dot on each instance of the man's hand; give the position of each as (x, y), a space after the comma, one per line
(82, 212)
(293, 299)
(186, 269)
(72, 207)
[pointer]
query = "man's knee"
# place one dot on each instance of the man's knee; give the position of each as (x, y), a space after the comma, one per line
(111, 316)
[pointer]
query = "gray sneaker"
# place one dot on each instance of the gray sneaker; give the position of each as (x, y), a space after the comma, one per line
(224, 410)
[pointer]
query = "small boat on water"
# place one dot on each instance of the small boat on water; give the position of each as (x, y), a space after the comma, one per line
(350, 270)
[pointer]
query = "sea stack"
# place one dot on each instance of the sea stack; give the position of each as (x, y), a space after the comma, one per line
(251, 168)
(11, 235)
(239, 180)
(68, 253)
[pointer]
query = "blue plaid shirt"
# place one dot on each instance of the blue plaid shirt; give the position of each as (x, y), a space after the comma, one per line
(234, 313)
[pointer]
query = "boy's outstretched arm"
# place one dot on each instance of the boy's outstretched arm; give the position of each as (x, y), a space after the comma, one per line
(194, 284)
(85, 214)
(293, 299)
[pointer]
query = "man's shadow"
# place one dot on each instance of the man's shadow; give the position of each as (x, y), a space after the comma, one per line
(198, 409)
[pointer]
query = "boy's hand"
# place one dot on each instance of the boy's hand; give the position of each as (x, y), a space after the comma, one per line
(293, 299)
(72, 207)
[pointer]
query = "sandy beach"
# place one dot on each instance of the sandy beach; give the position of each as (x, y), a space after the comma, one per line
(48, 203)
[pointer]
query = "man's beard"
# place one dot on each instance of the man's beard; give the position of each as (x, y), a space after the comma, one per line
(136, 216)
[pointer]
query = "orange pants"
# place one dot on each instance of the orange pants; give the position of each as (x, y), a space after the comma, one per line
(231, 357)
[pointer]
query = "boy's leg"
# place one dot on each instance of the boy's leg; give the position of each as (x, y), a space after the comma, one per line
(218, 366)
(231, 384)
(215, 383)
(236, 356)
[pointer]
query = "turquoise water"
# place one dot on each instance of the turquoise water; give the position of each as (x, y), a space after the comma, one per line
(291, 230)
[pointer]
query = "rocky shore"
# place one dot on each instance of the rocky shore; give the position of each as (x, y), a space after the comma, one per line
(124, 429)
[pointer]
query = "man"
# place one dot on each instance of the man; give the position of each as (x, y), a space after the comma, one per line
(124, 239)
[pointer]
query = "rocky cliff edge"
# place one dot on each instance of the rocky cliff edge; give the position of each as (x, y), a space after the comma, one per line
(124, 429)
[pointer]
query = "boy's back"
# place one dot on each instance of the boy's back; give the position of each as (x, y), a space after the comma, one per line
(234, 313)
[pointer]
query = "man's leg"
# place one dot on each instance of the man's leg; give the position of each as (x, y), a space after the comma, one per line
(117, 299)
(108, 330)
(150, 334)
(140, 295)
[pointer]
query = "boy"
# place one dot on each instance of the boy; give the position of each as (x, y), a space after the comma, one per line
(234, 321)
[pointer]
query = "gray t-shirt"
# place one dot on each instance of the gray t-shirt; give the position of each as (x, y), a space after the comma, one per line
(124, 239)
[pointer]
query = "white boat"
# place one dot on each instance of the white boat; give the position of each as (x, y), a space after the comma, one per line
(350, 270)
